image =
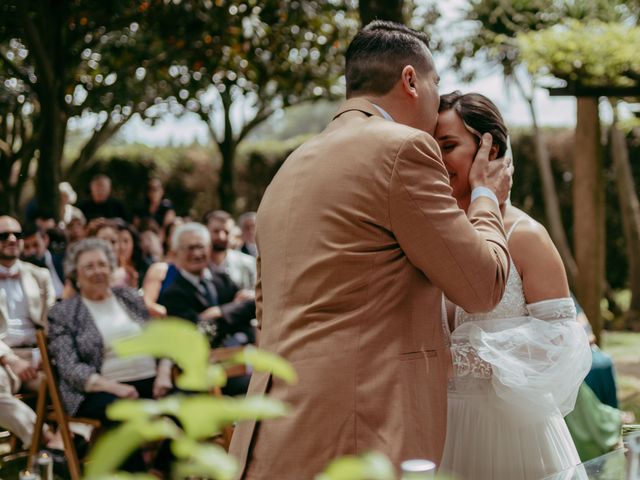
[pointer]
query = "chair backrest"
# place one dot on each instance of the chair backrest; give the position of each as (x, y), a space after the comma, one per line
(49, 388)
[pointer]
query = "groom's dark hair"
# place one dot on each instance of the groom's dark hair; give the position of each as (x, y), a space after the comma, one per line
(378, 53)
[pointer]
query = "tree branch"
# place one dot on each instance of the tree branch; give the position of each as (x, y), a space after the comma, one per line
(260, 117)
(14, 70)
(43, 60)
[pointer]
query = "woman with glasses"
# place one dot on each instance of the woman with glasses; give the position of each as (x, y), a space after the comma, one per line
(82, 331)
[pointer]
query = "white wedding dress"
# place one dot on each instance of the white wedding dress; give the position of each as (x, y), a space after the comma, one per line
(517, 370)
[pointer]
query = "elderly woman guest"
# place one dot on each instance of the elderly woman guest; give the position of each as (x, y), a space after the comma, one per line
(83, 329)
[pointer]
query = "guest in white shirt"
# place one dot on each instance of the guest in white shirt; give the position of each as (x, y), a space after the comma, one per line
(26, 293)
(239, 266)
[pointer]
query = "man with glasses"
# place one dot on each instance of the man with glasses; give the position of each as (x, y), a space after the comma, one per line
(26, 293)
(207, 298)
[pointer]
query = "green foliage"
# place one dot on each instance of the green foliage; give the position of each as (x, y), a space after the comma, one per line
(181, 342)
(201, 416)
(492, 26)
(589, 54)
(369, 466)
(114, 447)
(205, 461)
(119, 58)
(262, 361)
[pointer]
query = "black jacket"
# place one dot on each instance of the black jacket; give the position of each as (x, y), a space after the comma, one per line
(182, 299)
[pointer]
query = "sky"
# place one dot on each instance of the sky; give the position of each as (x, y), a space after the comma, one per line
(552, 111)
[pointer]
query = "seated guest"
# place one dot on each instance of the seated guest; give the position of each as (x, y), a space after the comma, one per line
(81, 333)
(101, 203)
(160, 275)
(68, 211)
(107, 230)
(206, 298)
(239, 266)
(155, 205)
(151, 246)
(26, 292)
(247, 224)
(75, 230)
(130, 255)
(36, 251)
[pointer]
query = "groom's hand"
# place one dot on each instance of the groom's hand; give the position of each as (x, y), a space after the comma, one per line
(495, 175)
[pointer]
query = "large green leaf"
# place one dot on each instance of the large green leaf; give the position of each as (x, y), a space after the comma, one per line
(369, 466)
(263, 361)
(124, 476)
(124, 410)
(203, 416)
(113, 447)
(180, 341)
(203, 460)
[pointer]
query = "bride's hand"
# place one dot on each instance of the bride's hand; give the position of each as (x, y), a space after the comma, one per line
(495, 175)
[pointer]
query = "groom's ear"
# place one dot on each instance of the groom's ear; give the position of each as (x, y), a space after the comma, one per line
(409, 80)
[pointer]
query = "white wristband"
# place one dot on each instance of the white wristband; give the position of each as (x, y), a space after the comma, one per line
(484, 192)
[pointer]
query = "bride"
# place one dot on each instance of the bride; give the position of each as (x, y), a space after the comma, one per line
(516, 369)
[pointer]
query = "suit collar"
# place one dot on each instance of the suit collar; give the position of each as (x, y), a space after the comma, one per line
(358, 104)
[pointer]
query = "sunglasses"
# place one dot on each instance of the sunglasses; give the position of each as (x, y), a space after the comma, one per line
(4, 236)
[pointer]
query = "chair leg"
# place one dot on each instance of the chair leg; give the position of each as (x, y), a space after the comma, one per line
(41, 412)
(69, 447)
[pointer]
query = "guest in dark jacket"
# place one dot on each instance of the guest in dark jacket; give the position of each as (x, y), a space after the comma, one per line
(101, 203)
(209, 299)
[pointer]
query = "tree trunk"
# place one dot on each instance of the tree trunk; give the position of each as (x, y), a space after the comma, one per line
(227, 146)
(381, 10)
(51, 144)
(551, 202)
(630, 212)
(588, 211)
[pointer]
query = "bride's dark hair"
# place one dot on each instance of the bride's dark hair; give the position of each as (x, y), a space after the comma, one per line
(479, 113)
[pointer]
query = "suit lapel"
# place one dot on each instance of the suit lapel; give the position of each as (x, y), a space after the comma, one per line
(32, 293)
(187, 286)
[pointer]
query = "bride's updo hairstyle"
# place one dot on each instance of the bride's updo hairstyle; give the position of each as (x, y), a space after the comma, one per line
(479, 115)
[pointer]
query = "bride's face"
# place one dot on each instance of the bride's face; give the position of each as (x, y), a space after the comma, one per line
(458, 147)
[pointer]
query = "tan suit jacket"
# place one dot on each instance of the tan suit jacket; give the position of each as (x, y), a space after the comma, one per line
(38, 289)
(358, 237)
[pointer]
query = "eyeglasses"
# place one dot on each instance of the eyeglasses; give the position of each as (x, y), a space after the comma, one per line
(4, 236)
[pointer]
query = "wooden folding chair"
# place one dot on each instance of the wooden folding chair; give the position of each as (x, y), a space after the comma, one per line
(56, 413)
(221, 355)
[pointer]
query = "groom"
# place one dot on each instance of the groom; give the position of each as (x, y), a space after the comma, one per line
(359, 236)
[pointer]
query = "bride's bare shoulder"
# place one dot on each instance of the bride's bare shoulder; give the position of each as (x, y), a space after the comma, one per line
(536, 258)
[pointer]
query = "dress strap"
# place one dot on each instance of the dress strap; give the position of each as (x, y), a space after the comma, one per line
(513, 227)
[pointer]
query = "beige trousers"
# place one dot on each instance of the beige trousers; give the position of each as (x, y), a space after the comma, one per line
(15, 415)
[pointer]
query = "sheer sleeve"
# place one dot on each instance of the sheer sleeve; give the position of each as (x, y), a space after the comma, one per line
(537, 362)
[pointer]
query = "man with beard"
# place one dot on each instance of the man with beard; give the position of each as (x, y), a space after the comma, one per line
(239, 266)
(26, 293)
(36, 251)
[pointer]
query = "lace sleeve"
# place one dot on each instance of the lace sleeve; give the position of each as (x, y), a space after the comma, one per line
(554, 309)
(466, 362)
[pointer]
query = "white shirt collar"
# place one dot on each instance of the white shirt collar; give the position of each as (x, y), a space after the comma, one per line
(12, 270)
(384, 113)
(195, 279)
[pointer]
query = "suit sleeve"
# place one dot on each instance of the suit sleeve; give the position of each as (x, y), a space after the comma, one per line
(239, 313)
(464, 255)
(178, 305)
